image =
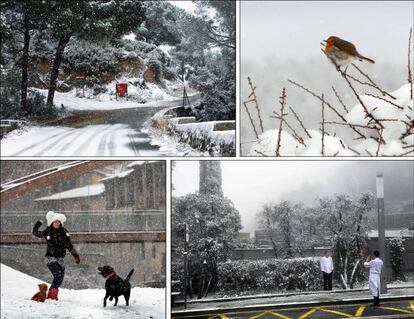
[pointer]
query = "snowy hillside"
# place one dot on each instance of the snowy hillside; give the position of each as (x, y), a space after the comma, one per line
(17, 289)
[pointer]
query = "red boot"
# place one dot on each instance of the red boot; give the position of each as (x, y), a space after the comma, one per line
(53, 294)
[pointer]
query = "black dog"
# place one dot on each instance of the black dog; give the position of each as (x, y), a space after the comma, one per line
(115, 286)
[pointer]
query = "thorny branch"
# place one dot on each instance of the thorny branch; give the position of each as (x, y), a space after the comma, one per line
(367, 113)
(340, 101)
(251, 120)
(372, 82)
(282, 102)
(330, 106)
(253, 93)
(381, 98)
(300, 122)
(323, 126)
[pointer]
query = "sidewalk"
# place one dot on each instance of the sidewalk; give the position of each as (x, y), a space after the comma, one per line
(291, 298)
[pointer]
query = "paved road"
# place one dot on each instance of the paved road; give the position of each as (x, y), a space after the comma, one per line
(394, 309)
(90, 133)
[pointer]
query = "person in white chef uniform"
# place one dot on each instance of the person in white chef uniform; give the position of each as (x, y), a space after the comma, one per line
(375, 266)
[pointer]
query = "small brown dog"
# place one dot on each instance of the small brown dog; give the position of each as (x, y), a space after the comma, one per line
(42, 294)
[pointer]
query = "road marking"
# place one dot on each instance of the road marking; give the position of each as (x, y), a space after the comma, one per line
(278, 315)
(336, 312)
(412, 305)
(307, 314)
(259, 315)
(397, 309)
(360, 310)
(221, 316)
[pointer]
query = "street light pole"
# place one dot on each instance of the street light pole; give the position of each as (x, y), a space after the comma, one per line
(381, 230)
(185, 264)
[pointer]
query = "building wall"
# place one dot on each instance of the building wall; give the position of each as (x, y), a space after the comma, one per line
(147, 258)
(87, 203)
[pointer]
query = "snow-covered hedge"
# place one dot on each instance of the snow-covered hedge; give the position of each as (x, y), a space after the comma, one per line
(204, 137)
(242, 276)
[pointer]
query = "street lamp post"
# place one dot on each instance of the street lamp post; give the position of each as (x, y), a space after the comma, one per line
(381, 230)
(185, 264)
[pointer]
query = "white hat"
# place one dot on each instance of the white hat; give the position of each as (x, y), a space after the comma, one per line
(51, 216)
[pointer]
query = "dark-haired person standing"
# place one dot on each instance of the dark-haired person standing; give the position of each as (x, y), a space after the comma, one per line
(327, 269)
(375, 265)
(58, 241)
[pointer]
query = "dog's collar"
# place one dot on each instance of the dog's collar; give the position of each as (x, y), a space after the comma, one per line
(110, 275)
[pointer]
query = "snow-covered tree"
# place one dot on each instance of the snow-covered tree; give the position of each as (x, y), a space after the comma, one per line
(282, 223)
(396, 246)
(346, 221)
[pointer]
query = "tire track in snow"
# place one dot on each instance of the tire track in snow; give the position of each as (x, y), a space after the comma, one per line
(104, 142)
(91, 131)
(59, 151)
(54, 137)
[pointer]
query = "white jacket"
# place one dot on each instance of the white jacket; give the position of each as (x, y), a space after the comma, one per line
(375, 267)
(327, 264)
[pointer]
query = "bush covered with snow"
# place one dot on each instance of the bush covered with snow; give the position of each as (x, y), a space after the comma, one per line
(242, 276)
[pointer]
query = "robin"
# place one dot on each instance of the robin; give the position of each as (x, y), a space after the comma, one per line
(342, 52)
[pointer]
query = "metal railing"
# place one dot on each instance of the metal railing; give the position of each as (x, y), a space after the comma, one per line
(91, 221)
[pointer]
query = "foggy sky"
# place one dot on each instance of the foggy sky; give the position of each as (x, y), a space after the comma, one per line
(249, 184)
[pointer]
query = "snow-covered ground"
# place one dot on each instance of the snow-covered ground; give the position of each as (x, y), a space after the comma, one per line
(394, 119)
(107, 101)
(92, 140)
(17, 289)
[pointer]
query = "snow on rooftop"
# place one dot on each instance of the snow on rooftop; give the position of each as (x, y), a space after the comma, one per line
(85, 191)
(17, 289)
(118, 175)
(393, 233)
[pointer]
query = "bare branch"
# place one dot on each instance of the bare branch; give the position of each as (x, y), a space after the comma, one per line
(300, 122)
(251, 120)
(379, 142)
(340, 101)
(260, 153)
(372, 82)
(323, 126)
(381, 98)
(330, 106)
(253, 88)
(367, 113)
(282, 102)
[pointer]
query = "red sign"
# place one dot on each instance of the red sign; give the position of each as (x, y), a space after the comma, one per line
(121, 88)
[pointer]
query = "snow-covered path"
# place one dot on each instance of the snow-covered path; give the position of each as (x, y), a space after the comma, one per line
(92, 140)
(17, 289)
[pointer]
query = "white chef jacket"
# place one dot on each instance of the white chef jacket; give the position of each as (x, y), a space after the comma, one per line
(375, 267)
(327, 264)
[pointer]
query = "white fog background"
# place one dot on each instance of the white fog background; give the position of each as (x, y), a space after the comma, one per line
(280, 40)
(249, 184)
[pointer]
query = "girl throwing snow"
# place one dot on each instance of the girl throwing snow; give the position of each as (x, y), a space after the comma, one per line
(58, 240)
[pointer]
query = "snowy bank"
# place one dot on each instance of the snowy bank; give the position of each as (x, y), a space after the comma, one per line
(395, 115)
(17, 288)
(216, 138)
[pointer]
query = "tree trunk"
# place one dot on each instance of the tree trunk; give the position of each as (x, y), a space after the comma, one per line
(63, 41)
(25, 63)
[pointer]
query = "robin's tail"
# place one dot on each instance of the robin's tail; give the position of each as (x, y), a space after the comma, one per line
(365, 58)
(129, 275)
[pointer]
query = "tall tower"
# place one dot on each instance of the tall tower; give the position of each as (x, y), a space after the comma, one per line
(210, 178)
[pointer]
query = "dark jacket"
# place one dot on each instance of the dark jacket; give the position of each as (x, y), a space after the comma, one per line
(57, 240)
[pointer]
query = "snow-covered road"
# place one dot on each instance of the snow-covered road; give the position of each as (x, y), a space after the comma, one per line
(17, 289)
(91, 140)
(104, 132)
